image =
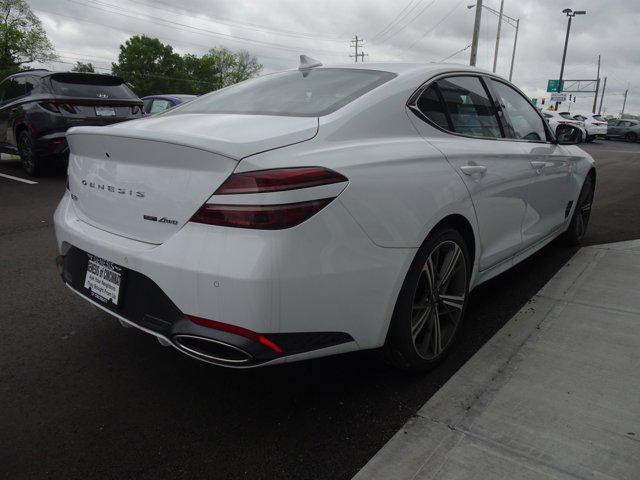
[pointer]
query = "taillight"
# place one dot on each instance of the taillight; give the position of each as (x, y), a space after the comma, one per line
(279, 179)
(68, 107)
(267, 216)
(262, 217)
(52, 107)
(243, 332)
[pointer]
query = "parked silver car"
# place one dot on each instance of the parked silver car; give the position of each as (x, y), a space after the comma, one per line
(626, 129)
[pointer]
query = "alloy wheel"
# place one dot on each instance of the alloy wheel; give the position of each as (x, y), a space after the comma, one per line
(26, 152)
(439, 300)
(584, 212)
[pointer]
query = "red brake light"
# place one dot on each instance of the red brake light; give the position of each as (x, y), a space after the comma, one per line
(279, 179)
(262, 217)
(52, 107)
(243, 332)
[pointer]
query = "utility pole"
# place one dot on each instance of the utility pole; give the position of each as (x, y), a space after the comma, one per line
(595, 97)
(476, 34)
(624, 102)
(569, 13)
(604, 86)
(513, 54)
(358, 43)
(495, 53)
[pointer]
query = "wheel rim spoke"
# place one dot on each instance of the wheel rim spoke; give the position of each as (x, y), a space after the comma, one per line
(455, 301)
(439, 300)
(450, 265)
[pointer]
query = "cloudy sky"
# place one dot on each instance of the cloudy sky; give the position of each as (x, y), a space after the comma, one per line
(276, 31)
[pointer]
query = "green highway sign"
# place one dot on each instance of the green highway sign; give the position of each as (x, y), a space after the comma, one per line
(552, 85)
(534, 101)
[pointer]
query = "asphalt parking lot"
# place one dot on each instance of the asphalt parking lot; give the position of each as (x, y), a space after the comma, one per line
(81, 397)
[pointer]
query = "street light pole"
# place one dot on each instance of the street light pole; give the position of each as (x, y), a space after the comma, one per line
(513, 54)
(569, 13)
(476, 34)
(495, 53)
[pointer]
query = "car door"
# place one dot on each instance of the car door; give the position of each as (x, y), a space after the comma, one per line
(550, 187)
(613, 129)
(495, 172)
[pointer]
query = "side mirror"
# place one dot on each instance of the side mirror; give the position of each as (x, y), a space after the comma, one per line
(569, 134)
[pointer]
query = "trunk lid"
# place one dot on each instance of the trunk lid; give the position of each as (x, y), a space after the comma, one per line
(144, 179)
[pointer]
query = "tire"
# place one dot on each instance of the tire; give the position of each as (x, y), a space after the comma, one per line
(31, 162)
(580, 220)
(426, 320)
(631, 137)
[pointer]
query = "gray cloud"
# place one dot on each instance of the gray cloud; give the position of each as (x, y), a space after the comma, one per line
(277, 30)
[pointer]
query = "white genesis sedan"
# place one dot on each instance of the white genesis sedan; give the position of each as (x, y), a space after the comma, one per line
(318, 211)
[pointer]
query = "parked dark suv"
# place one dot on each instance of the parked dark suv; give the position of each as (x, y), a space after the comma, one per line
(38, 106)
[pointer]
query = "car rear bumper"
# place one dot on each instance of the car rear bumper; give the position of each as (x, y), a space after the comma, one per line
(313, 290)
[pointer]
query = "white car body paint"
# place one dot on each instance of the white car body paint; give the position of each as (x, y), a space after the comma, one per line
(341, 270)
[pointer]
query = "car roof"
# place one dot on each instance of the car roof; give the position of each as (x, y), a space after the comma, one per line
(179, 96)
(408, 68)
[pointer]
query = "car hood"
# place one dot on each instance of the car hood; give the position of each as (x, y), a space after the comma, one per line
(231, 135)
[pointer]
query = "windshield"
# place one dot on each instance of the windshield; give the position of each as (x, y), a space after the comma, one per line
(90, 86)
(313, 93)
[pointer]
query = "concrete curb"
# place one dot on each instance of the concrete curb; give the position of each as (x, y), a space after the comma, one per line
(554, 394)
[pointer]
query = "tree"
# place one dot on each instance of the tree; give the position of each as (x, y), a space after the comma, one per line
(150, 67)
(83, 68)
(22, 38)
(219, 68)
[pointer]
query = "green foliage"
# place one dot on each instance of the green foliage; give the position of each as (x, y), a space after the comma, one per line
(151, 67)
(22, 38)
(83, 68)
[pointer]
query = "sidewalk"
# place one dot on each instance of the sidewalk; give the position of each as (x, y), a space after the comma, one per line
(554, 394)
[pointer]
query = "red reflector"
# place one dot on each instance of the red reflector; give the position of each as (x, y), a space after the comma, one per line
(243, 332)
(279, 179)
(262, 217)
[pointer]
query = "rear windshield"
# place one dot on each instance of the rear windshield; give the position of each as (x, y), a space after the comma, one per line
(90, 86)
(565, 114)
(313, 93)
(599, 118)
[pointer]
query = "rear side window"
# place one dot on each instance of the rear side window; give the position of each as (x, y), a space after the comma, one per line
(13, 88)
(469, 107)
(431, 105)
(524, 121)
(312, 93)
(90, 86)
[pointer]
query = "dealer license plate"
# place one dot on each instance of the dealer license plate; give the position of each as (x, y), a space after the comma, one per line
(103, 279)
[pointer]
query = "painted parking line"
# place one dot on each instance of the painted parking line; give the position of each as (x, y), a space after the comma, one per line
(18, 179)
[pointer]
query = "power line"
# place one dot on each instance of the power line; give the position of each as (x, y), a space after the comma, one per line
(415, 17)
(392, 21)
(436, 25)
(113, 9)
(163, 38)
(456, 53)
(401, 19)
(231, 22)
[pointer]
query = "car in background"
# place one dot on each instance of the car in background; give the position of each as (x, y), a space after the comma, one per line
(38, 106)
(555, 119)
(318, 211)
(628, 130)
(159, 103)
(595, 125)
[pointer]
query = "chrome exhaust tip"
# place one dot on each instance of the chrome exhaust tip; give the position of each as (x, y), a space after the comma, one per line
(211, 350)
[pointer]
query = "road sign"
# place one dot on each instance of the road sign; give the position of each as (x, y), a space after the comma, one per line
(558, 97)
(534, 101)
(552, 85)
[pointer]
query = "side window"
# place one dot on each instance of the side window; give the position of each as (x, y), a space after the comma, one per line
(525, 123)
(29, 84)
(14, 88)
(432, 107)
(159, 105)
(469, 107)
(147, 105)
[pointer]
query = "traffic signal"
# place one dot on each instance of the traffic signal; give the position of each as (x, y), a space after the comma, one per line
(543, 101)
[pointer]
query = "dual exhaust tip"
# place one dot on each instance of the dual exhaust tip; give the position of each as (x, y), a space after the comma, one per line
(211, 350)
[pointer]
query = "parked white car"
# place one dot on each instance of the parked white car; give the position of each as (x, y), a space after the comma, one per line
(595, 125)
(317, 211)
(563, 118)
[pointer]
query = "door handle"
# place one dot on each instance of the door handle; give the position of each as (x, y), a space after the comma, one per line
(473, 169)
